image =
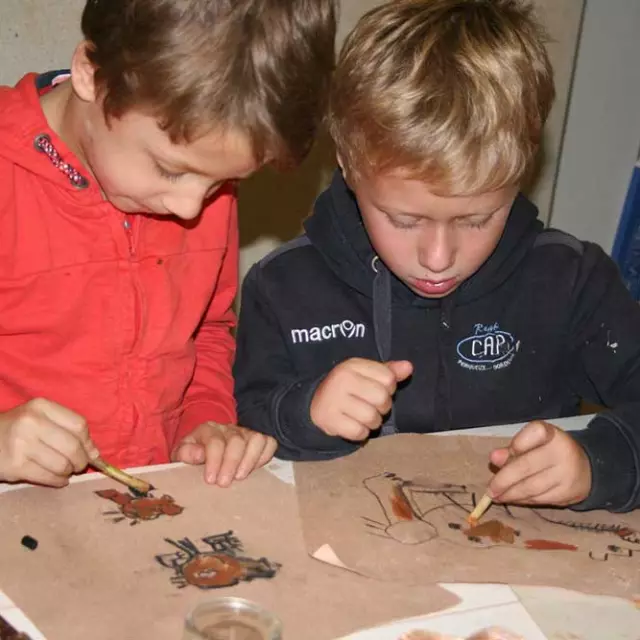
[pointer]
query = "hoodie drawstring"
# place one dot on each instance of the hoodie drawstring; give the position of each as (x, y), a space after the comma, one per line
(382, 326)
(43, 144)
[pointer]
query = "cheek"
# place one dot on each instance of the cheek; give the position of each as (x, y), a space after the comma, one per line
(479, 248)
(120, 171)
(123, 178)
(389, 243)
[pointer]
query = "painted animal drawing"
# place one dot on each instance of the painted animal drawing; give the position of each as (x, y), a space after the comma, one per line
(220, 565)
(139, 508)
(418, 512)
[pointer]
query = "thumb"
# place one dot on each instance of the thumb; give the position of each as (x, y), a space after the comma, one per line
(90, 448)
(499, 457)
(401, 369)
(533, 435)
(189, 453)
(71, 421)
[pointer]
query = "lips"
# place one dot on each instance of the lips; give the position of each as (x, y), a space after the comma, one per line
(434, 287)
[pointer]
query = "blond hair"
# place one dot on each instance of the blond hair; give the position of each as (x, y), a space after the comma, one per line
(453, 92)
(261, 67)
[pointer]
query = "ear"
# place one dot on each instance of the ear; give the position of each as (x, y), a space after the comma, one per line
(83, 74)
(345, 172)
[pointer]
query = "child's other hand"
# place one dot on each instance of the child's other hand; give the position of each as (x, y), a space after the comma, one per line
(228, 452)
(43, 443)
(543, 465)
(352, 400)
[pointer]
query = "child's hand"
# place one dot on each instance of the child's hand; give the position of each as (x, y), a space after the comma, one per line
(228, 452)
(352, 400)
(543, 465)
(43, 443)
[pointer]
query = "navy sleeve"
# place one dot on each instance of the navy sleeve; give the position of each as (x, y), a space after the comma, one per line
(272, 396)
(605, 345)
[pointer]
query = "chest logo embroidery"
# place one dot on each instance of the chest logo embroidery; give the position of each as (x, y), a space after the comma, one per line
(345, 329)
(488, 348)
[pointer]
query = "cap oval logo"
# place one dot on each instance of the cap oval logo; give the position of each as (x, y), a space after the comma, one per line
(488, 348)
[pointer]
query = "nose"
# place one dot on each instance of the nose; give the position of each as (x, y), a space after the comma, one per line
(186, 207)
(436, 252)
(186, 200)
(189, 201)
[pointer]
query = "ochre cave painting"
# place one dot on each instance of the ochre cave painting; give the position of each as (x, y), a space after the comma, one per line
(418, 512)
(139, 508)
(219, 565)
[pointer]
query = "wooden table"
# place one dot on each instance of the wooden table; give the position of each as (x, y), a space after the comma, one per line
(536, 613)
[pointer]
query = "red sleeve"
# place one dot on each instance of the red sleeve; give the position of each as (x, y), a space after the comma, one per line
(210, 394)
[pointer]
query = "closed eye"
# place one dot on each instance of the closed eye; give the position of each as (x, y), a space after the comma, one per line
(398, 223)
(476, 223)
(171, 176)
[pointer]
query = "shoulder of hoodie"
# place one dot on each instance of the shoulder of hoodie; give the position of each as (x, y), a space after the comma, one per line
(565, 258)
(292, 262)
(7, 130)
(7, 166)
(15, 117)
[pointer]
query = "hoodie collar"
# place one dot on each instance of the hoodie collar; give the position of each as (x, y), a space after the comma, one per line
(29, 141)
(337, 230)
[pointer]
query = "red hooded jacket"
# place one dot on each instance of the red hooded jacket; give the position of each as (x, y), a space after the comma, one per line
(127, 324)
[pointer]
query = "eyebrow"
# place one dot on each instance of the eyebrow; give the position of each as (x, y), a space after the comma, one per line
(480, 214)
(422, 216)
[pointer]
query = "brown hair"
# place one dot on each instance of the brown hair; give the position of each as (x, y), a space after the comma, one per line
(453, 92)
(258, 66)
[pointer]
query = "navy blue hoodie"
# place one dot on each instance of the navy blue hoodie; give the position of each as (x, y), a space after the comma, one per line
(545, 323)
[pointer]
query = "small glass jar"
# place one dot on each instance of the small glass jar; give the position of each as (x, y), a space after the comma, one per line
(231, 618)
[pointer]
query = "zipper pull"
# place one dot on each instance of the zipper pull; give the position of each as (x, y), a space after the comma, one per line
(128, 227)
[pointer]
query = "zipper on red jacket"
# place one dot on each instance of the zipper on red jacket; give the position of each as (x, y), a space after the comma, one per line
(131, 225)
(128, 227)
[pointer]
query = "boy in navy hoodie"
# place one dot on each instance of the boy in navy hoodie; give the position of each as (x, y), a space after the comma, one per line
(425, 294)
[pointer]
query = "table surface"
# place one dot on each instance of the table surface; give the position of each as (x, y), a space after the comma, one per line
(535, 613)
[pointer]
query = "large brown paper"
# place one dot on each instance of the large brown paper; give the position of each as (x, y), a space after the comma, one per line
(94, 577)
(397, 509)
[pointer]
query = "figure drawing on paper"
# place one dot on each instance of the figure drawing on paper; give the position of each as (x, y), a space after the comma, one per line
(417, 512)
(138, 508)
(218, 566)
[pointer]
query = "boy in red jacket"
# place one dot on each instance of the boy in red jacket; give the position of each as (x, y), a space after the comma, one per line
(118, 249)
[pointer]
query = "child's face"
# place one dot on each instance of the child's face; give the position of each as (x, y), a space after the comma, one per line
(141, 171)
(432, 243)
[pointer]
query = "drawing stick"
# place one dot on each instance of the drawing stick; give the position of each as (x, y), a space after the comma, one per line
(478, 512)
(136, 484)
(485, 502)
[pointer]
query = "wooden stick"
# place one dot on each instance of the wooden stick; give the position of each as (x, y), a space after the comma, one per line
(136, 484)
(474, 517)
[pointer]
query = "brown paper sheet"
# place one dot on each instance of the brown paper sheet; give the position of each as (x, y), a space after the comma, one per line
(397, 509)
(96, 576)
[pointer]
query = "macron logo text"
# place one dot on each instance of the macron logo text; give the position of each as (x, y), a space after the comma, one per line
(345, 329)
